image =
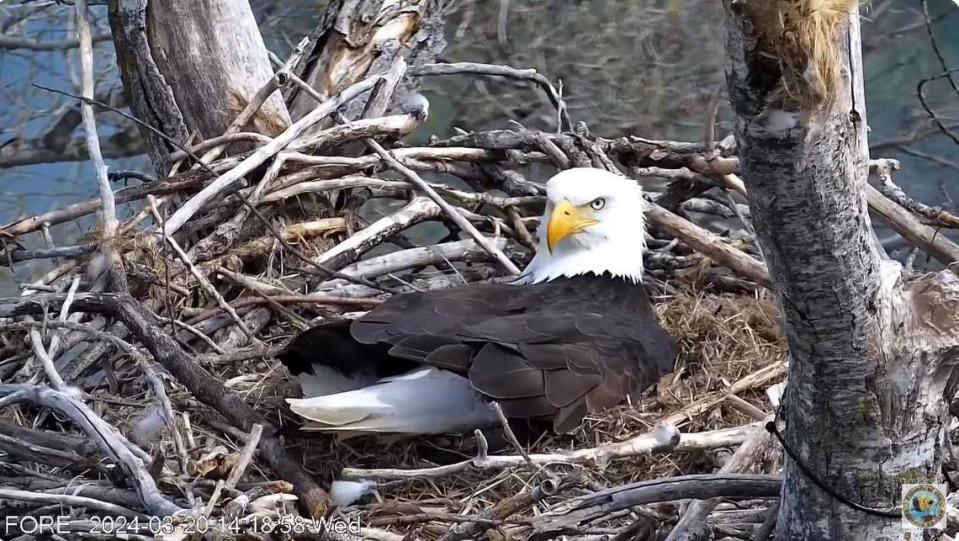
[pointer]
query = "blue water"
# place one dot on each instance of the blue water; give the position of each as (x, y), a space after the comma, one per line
(897, 55)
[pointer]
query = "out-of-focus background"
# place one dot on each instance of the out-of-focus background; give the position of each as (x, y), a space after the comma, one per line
(645, 67)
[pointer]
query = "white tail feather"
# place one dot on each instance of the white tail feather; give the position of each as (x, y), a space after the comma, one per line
(425, 401)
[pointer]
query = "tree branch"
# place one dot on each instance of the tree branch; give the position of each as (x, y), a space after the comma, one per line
(99, 431)
(203, 385)
(12, 43)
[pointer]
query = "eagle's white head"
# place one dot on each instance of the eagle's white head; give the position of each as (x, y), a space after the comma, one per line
(593, 224)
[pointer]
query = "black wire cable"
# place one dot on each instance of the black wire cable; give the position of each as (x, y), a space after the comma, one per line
(772, 429)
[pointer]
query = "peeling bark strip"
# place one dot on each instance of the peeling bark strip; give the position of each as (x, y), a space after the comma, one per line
(871, 351)
(359, 38)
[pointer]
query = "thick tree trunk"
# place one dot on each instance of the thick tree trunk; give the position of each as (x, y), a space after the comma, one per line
(212, 55)
(150, 97)
(361, 37)
(190, 67)
(870, 349)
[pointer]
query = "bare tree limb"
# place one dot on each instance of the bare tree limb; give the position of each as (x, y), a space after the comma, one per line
(705, 242)
(204, 386)
(66, 500)
(13, 43)
(122, 144)
(591, 506)
(108, 208)
(661, 439)
(692, 526)
(101, 432)
(452, 213)
(565, 124)
(185, 212)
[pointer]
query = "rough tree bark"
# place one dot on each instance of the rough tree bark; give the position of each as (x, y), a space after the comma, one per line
(150, 97)
(185, 75)
(871, 349)
(189, 67)
(358, 38)
(212, 55)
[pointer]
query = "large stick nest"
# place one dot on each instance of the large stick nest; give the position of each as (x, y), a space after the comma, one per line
(164, 396)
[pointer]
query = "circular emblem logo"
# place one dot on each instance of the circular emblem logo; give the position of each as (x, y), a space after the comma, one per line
(924, 506)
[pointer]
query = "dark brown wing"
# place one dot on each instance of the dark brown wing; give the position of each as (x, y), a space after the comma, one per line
(556, 350)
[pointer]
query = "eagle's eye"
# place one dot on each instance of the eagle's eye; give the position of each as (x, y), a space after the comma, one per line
(598, 203)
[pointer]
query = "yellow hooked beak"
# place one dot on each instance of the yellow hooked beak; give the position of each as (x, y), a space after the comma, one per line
(565, 220)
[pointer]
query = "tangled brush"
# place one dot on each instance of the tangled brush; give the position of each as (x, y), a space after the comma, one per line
(802, 35)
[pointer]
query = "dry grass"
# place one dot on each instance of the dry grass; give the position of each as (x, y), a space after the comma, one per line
(723, 338)
(802, 36)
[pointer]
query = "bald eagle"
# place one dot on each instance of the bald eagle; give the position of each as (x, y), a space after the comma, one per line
(575, 334)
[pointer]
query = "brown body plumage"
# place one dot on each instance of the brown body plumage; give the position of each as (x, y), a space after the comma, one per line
(575, 335)
(555, 350)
